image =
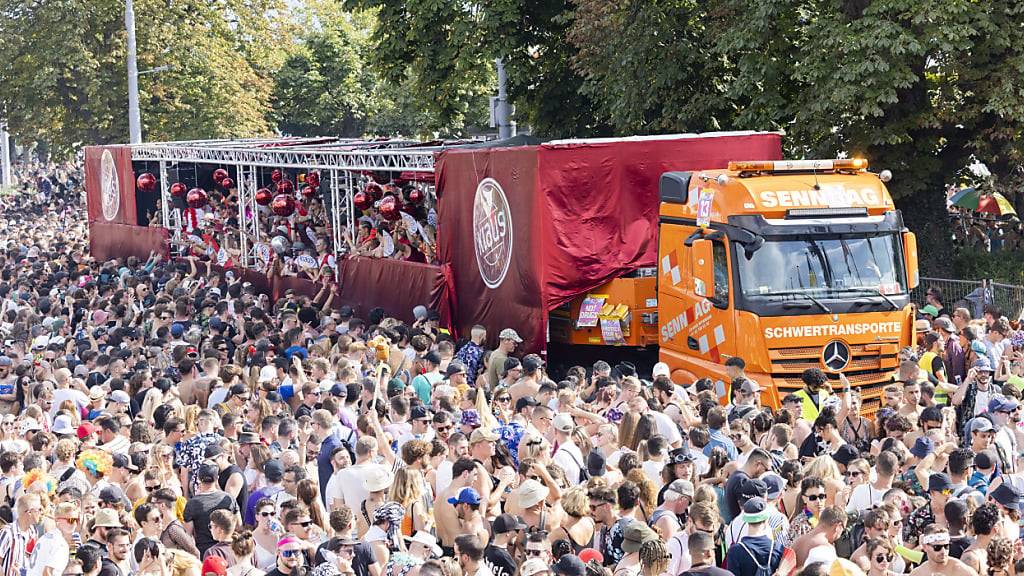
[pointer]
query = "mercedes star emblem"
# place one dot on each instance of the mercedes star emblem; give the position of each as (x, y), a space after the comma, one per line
(835, 355)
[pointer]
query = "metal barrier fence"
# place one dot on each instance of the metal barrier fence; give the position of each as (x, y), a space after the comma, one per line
(973, 295)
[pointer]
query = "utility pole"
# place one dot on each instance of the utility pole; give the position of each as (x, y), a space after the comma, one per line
(503, 110)
(134, 118)
(6, 179)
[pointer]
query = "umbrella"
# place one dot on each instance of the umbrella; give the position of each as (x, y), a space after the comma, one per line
(972, 199)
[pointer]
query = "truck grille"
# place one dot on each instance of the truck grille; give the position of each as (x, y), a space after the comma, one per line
(870, 369)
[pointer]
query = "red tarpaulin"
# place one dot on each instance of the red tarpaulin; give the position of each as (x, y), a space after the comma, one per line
(110, 184)
(525, 229)
(601, 202)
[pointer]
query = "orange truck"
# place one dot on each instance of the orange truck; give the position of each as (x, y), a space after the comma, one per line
(787, 264)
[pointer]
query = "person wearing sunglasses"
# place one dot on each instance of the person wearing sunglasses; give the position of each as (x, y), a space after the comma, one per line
(940, 488)
(290, 556)
(812, 500)
(935, 544)
(880, 555)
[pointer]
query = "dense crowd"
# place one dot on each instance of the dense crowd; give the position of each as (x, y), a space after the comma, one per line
(160, 419)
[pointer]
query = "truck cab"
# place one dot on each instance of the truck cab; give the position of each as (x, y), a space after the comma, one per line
(789, 265)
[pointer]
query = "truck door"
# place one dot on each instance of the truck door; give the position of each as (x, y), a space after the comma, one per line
(695, 330)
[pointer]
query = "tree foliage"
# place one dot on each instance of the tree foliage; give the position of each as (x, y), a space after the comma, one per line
(65, 77)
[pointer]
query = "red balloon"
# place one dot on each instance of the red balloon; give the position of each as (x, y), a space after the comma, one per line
(146, 182)
(375, 190)
(283, 205)
(264, 196)
(178, 190)
(389, 208)
(227, 183)
(219, 174)
(362, 201)
(308, 191)
(276, 176)
(313, 179)
(197, 198)
(415, 195)
(285, 187)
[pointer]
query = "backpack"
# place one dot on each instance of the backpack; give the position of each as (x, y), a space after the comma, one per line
(762, 569)
(584, 473)
(851, 539)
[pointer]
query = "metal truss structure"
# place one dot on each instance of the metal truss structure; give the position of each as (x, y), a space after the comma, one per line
(309, 153)
(340, 162)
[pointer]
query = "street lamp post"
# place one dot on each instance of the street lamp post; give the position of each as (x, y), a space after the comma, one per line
(6, 179)
(134, 118)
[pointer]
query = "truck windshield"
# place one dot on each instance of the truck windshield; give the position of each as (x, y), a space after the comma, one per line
(822, 265)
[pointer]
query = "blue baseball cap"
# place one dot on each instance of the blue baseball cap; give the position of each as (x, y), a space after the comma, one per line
(466, 496)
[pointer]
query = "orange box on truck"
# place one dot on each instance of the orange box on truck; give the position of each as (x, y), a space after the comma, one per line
(789, 265)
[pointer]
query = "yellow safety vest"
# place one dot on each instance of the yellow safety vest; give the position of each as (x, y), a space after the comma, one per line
(925, 363)
(809, 411)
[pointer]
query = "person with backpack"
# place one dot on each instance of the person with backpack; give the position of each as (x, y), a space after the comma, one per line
(755, 554)
(568, 456)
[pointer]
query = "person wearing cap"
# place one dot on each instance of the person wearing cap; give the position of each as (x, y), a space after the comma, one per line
(508, 339)
(569, 565)
(666, 519)
(935, 544)
(635, 534)
(568, 456)
(756, 548)
(429, 376)
(455, 375)
(532, 567)
(468, 510)
(207, 499)
(506, 529)
(977, 384)
(777, 524)
(940, 489)
(1002, 409)
(980, 432)
(465, 474)
(746, 398)
(985, 464)
(51, 552)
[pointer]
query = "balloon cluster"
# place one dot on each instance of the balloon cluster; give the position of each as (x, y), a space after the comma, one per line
(197, 198)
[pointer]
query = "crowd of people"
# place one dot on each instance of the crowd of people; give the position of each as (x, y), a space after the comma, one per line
(299, 241)
(161, 419)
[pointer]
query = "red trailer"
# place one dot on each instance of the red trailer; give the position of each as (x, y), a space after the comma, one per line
(521, 230)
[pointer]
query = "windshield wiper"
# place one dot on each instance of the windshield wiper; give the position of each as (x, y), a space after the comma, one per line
(819, 303)
(874, 292)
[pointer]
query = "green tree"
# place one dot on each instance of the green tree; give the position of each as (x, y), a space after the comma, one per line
(65, 76)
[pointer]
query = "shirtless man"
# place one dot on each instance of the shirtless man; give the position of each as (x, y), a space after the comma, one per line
(830, 527)
(983, 525)
(481, 448)
(464, 474)
(935, 543)
(467, 505)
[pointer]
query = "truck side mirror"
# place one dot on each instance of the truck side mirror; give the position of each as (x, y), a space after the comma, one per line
(702, 266)
(910, 259)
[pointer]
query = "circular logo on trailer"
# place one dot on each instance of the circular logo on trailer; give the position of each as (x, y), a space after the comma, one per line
(492, 232)
(835, 355)
(110, 187)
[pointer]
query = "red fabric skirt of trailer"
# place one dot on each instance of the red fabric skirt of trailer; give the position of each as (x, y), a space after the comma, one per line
(579, 214)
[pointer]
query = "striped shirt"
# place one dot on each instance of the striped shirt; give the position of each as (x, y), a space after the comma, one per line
(13, 542)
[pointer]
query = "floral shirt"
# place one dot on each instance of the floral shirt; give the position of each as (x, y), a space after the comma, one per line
(470, 355)
(916, 523)
(511, 435)
(802, 524)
